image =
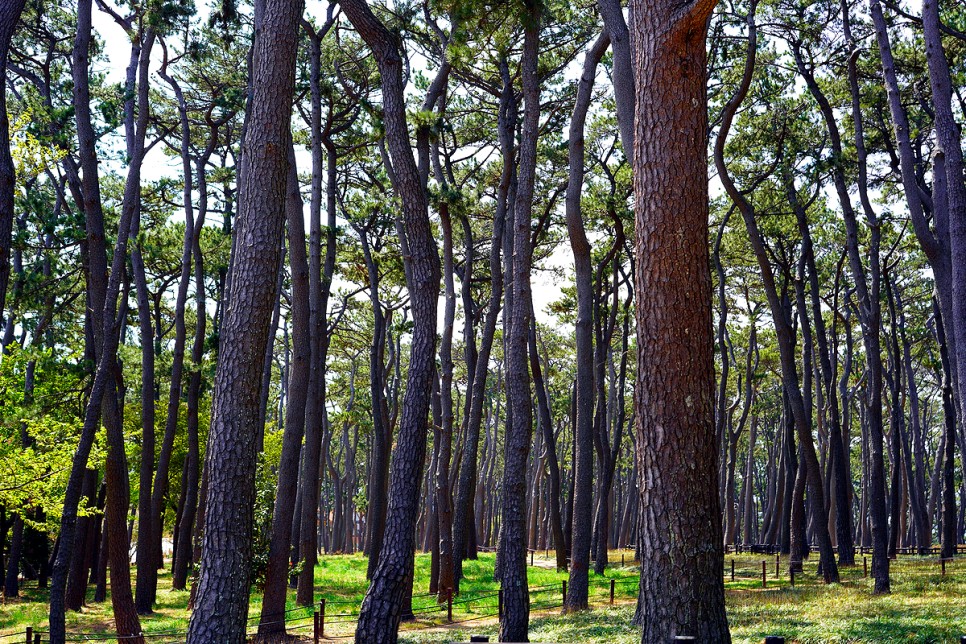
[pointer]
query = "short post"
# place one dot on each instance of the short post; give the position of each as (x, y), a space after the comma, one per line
(322, 617)
(622, 560)
(449, 605)
(774, 639)
(564, 588)
(315, 627)
(36, 638)
(778, 560)
(531, 558)
(764, 572)
(732, 570)
(479, 638)
(962, 639)
(499, 603)
(612, 591)
(30, 634)
(865, 566)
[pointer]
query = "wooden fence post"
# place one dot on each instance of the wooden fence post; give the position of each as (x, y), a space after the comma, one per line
(778, 560)
(315, 627)
(30, 634)
(732, 570)
(322, 617)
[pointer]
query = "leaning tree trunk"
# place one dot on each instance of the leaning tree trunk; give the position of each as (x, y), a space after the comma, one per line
(383, 605)
(681, 587)
(581, 520)
(221, 604)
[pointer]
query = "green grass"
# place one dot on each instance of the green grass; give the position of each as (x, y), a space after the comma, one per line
(924, 606)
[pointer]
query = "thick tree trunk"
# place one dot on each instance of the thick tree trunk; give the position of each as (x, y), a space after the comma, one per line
(949, 144)
(681, 587)
(221, 605)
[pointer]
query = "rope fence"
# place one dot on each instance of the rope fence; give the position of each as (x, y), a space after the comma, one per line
(302, 618)
(545, 597)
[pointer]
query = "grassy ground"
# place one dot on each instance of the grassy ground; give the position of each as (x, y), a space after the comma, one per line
(924, 607)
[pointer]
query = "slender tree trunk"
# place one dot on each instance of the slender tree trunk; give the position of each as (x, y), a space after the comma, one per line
(9, 17)
(383, 605)
(581, 521)
(512, 551)
(272, 619)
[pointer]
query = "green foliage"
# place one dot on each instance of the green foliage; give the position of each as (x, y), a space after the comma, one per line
(39, 427)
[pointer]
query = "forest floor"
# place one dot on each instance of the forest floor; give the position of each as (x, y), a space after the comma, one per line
(925, 605)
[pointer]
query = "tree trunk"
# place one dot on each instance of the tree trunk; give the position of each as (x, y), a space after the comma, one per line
(221, 605)
(382, 607)
(677, 455)
(9, 17)
(583, 468)
(272, 619)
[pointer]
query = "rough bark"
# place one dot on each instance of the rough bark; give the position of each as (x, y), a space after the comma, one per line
(383, 604)
(221, 604)
(681, 587)
(512, 548)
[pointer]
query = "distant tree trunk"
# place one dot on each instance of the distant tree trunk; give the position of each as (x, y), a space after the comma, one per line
(546, 425)
(677, 455)
(464, 532)
(221, 605)
(796, 409)
(837, 454)
(583, 468)
(948, 528)
(443, 505)
(749, 515)
(183, 542)
(867, 292)
(314, 415)
(81, 564)
(272, 619)
(103, 292)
